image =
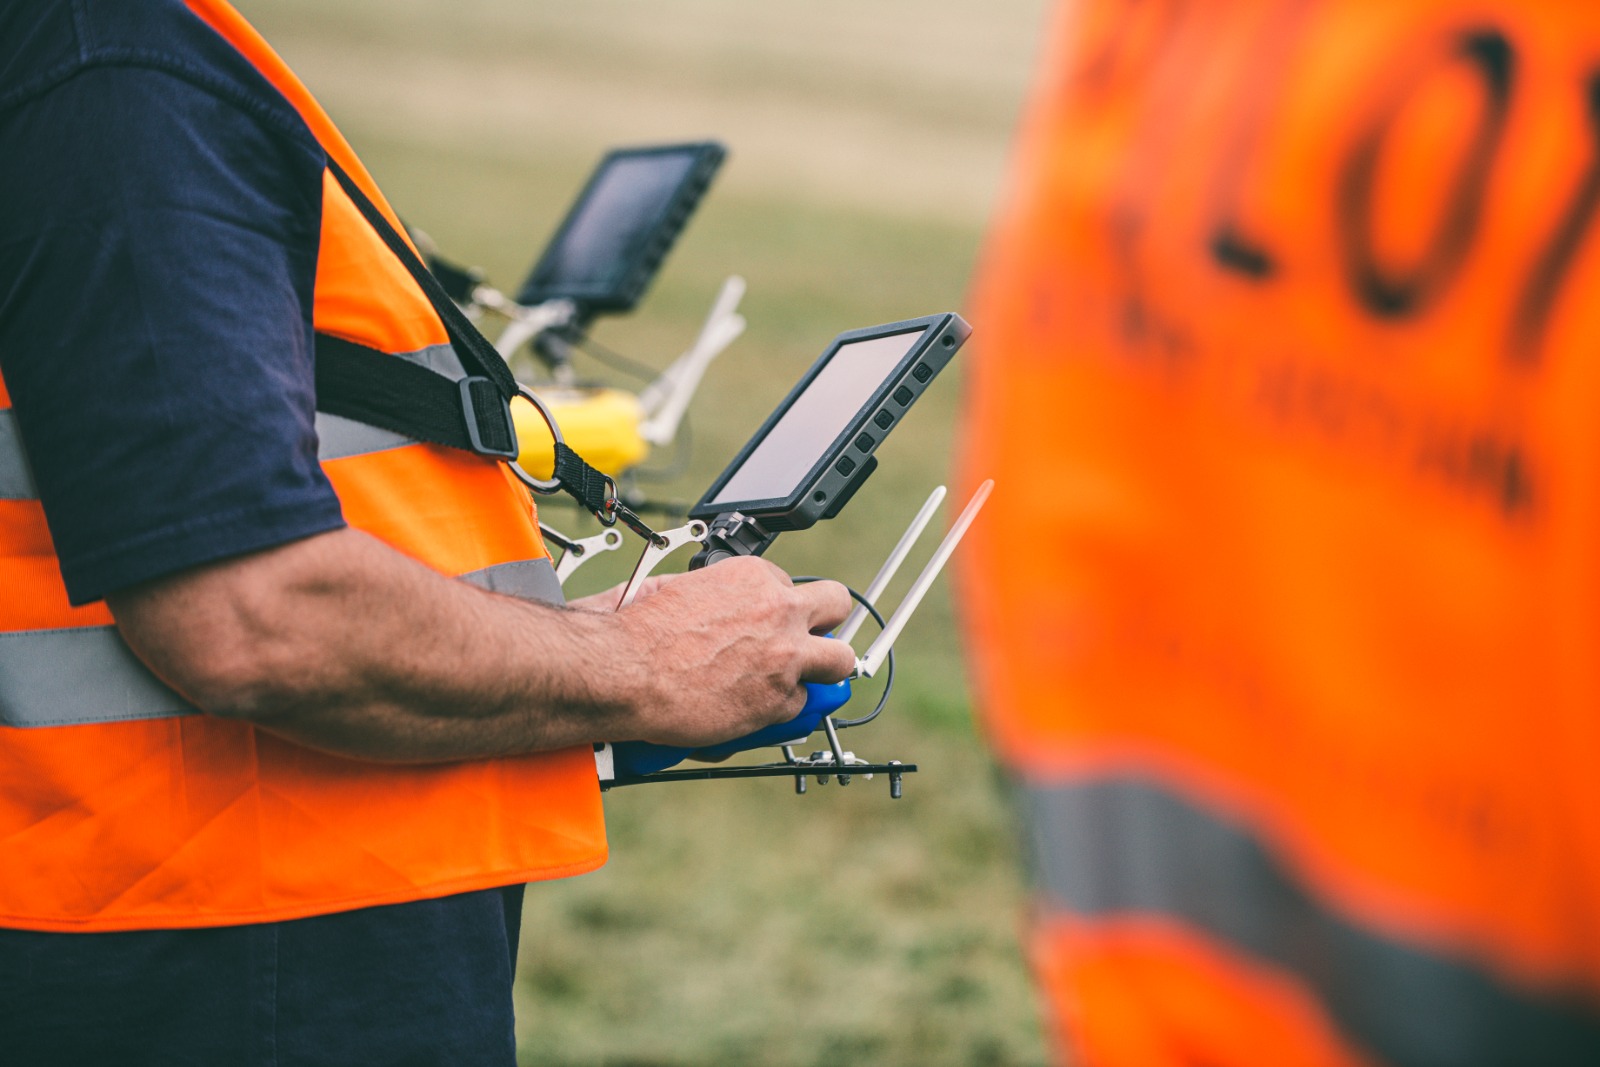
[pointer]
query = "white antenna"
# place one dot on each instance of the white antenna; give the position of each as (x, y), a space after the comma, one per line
(868, 664)
(852, 623)
(664, 400)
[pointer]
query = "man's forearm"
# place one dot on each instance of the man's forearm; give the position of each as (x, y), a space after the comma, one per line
(341, 643)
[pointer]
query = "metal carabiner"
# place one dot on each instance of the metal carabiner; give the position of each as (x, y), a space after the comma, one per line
(614, 510)
(544, 486)
(611, 508)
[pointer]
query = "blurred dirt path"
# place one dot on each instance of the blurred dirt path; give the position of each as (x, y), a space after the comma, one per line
(902, 106)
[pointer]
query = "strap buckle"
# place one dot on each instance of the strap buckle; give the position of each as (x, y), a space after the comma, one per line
(490, 427)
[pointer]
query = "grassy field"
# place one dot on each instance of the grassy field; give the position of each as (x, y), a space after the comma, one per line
(736, 922)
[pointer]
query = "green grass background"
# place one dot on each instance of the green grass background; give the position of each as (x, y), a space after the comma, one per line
(737, 923)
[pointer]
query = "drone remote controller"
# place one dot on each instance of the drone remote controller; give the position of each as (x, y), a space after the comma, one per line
(805, 462)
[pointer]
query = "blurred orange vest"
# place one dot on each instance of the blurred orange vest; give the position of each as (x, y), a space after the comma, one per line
(122, 808)
(1288, 620)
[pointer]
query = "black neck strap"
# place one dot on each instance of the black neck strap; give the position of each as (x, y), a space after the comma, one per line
(477, 355)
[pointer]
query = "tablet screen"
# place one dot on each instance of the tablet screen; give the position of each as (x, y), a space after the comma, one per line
(622, 209)
(779, 463)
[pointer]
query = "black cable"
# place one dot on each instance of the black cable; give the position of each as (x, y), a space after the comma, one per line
(615, 360)
(888, 679)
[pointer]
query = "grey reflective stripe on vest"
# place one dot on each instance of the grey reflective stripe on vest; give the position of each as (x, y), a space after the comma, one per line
(340, 438)
(16, 480)
(67, 677)
(1122, 847)
(529, 579)
(87, 674)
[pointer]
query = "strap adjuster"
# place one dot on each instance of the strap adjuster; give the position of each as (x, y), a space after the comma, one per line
(490, 427)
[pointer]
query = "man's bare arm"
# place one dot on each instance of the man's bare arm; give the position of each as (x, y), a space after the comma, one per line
(340, 643)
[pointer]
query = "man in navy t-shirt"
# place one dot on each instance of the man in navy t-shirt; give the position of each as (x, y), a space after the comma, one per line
(158, 252)
(166, 429)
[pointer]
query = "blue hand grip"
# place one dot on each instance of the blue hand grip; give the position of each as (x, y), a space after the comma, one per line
(641, 757)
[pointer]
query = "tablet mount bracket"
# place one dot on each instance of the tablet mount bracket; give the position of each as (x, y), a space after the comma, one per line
(733, 534)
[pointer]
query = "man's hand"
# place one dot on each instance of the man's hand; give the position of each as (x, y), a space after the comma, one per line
(343, 644)
(735, 636)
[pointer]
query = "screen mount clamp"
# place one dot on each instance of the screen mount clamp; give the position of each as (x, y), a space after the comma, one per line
(733, 534)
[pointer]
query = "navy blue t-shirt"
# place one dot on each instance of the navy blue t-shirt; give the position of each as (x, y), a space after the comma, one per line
(159, 217)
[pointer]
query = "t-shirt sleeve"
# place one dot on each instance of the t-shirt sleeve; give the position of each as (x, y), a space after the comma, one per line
(158, 252)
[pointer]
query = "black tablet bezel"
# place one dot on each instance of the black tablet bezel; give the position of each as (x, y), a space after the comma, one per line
(625, 286)
(825, 483)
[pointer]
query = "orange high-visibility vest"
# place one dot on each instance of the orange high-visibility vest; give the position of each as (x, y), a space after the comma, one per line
(1288, 611)
(123, 808)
